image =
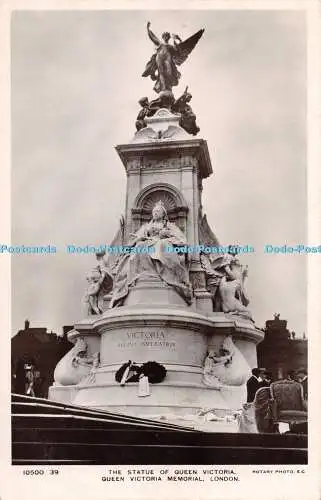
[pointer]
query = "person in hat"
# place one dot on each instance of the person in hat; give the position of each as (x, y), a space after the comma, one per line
(266, 377)
(253, 384)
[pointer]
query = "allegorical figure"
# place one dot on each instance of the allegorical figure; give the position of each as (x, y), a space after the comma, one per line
(143, 113)
(162, 67)
(150, 256)
(95, 279)
(165, 100)
(225, 367)
(100, 283)
(232, 290)
(75, 365)
(188, 117)
(225, 279)
(214, 364)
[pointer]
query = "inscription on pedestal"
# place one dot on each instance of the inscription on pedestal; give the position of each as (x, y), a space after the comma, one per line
(153, 343)
(138, 339)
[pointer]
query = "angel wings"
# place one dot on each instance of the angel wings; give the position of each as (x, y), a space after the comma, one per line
(162, 65)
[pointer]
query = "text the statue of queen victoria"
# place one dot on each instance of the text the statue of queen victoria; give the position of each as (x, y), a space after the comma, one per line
(152, 258)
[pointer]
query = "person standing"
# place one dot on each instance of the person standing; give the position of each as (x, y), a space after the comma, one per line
(302, 377)
(266, 378)
(253, 384)
(30, 380)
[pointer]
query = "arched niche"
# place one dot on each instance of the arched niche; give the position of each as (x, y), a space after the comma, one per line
(173, 200)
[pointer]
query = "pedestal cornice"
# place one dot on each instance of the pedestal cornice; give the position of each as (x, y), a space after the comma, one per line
(207, 323)
(137, 156)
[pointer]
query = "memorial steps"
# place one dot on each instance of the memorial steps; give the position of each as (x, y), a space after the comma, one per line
(47, 433)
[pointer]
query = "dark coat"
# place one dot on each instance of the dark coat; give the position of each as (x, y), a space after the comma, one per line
(252, 385)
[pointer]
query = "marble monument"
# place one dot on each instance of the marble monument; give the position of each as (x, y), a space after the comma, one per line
(155, 307)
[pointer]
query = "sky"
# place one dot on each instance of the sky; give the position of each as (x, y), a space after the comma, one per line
(75, 83)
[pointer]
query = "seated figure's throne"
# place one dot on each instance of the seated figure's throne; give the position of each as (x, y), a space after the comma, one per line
(287, 403)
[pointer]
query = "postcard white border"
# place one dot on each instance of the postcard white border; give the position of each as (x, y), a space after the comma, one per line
(84, 482)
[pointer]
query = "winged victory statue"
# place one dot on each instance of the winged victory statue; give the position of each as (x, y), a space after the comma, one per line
(162, 66)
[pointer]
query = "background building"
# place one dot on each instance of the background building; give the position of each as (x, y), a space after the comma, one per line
(280, 351)
(38, 351)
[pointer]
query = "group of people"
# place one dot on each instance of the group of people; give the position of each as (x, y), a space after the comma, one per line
(263, 378)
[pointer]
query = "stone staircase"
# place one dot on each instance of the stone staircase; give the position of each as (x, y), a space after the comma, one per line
(47, 433)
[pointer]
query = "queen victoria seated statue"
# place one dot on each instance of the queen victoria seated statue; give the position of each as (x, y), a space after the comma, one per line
(149, 256)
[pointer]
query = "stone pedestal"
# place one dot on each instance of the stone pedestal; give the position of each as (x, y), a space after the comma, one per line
(154, 323)
(171, 334)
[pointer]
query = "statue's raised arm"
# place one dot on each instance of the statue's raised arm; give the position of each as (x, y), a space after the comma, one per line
(152, 36)
(162, 65)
